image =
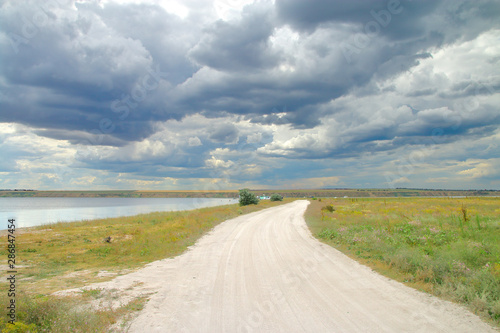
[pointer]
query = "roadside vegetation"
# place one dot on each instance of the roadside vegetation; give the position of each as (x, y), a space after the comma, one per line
(276, 197)
(69, 255)
(446, 246)
(248, 198)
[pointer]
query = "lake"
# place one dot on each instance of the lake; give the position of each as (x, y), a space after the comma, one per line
(29, 212)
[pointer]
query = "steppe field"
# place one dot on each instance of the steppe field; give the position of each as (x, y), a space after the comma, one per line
(445, 246)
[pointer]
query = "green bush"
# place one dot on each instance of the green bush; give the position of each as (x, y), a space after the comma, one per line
(248, 198)
(276, 197)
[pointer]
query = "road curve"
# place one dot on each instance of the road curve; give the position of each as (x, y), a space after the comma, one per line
(264, 272)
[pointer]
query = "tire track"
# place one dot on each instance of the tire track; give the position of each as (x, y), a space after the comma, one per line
(264, 272)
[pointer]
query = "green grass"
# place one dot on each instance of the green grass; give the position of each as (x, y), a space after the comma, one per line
(448, 247)
(43, 313)
(68, 255)
(40, 313)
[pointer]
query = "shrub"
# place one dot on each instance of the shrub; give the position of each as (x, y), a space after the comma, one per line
(276, 197)
(248, 198)
(328, 208)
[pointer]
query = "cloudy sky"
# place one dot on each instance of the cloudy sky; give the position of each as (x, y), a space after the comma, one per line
(224, 94)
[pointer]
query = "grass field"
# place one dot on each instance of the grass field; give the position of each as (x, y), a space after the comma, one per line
(448, 247)
(68, 255)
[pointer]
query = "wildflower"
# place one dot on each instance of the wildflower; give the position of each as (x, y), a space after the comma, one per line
(459, 267)
(434, 230)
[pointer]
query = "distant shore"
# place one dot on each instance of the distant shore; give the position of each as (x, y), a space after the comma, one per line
(299, 193)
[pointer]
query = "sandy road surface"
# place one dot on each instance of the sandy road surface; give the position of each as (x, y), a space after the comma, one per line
(264, 272)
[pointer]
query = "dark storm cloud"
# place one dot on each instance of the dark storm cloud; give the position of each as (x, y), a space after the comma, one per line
(241, 45)
(77, 65)
(422, 92)
(245, 96)
(179, 166)
(166, 37)
(301, 92)
(67, 74)
(400, 18)
(74, 67)
(224, 133)
(471, 88)
(76, 137)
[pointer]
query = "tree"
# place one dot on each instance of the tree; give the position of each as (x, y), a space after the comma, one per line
(248, 198)
(276, 197)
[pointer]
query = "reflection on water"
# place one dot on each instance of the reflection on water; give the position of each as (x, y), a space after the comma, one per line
(30, 212)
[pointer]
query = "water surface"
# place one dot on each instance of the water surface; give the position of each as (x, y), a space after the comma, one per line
(29, 212)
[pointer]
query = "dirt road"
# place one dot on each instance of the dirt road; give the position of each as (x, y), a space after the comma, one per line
(264, 272)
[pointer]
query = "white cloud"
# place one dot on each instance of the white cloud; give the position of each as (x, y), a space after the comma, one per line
(230, 9)
(479, 168)
(176, 7)
(194, 141)
(401, 180)
(254, 138)
(217, 163)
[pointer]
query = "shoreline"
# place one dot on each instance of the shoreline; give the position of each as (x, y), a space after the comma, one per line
(39, 211)
(220, 194)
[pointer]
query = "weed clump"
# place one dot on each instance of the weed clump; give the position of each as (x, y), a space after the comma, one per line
(328, 208)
